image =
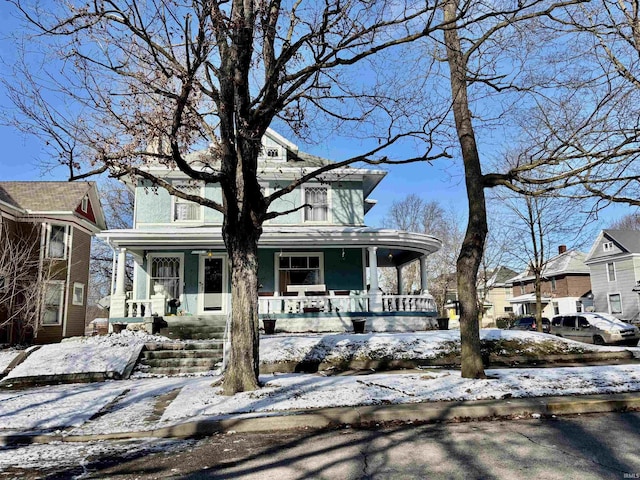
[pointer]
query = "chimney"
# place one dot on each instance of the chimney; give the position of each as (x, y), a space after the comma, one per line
(562, 249)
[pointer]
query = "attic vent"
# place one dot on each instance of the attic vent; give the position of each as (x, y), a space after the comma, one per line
(273, 152)
(607, 247)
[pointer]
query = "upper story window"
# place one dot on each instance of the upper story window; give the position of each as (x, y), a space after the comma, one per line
(611, 272)
(317, 200)
(84, 206)
(607, 246)
(56, 241)
(185, 210)
(553, 284)
(273, 152)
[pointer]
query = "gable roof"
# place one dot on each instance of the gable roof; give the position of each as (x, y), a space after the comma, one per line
(51, 197)
(569, 262)
(629, 240)
(626, 242)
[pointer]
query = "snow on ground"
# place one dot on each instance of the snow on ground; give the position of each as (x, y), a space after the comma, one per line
(300, 391)
(6, 357)
(109, 353)
(413, 345)
(48, 408)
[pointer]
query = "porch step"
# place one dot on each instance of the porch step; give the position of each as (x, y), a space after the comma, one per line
(173, 358)
(194, 327)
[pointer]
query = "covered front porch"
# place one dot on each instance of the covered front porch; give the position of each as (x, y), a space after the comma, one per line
(311, 279)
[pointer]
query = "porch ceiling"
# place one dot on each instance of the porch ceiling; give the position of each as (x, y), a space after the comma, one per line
(395, 247)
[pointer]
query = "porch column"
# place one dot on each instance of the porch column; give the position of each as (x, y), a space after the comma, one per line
(399, 280)
(121, 272)
(423, 275)
(375, 297)
(118, 307)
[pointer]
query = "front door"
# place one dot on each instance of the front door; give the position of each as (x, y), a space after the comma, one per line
(213, 282)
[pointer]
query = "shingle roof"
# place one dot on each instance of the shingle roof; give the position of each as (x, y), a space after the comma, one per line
(628, 239)
(571, 261)
(44, 196)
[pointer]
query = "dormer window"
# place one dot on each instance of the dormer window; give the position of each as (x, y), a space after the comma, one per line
(607, 247)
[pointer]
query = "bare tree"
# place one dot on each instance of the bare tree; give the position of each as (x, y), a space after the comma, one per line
(213, 73)
(23, 284)
(539, 223)
(118, 204)
(630, 221)
(416, 214)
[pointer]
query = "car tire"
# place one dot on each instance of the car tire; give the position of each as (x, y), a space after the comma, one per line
(598, 340)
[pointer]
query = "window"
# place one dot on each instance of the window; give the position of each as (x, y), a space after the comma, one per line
(78, 294)
(56, 241)
(611, 272)
(318, 200)
(553, 284)
(167, 271)
(607, 246)
(84, 206)
(508, 309)
(273, 152)
(299, 269)
(53, 302)
(569, 322)
(185, 210)
(556, 308)
(615, 303)
(579, 307)
(583, 322)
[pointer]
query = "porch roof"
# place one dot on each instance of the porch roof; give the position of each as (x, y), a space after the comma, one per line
(395, 247)
(528, 298)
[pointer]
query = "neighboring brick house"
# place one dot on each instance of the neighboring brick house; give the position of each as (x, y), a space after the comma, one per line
(614, 263)
(566, 286)
(54, 222)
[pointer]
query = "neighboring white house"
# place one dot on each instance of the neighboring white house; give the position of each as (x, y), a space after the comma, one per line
(614, 263)
(317, 266)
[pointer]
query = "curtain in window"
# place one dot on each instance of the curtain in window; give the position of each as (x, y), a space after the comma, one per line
(52, 303)
(166, 272)
(317, 198)
(56, 241)
(185, 210)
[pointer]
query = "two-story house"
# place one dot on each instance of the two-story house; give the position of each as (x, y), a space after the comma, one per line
(495, 293)
(614, 263)
(45, 232)
(317, 265)
(565, 288)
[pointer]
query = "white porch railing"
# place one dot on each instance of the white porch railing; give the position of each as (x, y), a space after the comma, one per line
(407, 303)
(139, 308)
(342, 303)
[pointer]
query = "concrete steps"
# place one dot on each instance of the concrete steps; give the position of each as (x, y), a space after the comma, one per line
(179, 358)
(194, 327)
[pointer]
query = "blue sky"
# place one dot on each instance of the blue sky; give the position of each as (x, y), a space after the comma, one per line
(443, 181)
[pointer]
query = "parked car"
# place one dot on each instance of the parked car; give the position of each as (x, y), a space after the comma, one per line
(597, 328)
(529, 323)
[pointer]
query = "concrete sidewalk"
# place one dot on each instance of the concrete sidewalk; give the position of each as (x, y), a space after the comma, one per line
(356, 416)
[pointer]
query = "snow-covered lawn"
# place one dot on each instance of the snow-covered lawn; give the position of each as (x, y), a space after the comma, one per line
(334, 348)
(6, 357)
(108, 354)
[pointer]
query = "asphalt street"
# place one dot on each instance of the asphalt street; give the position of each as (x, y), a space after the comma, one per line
(593, 446)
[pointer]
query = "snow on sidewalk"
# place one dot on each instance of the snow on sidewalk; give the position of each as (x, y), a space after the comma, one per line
(300, 391)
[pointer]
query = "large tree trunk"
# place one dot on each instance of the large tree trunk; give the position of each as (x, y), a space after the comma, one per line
(473, 244)
(242, 369)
